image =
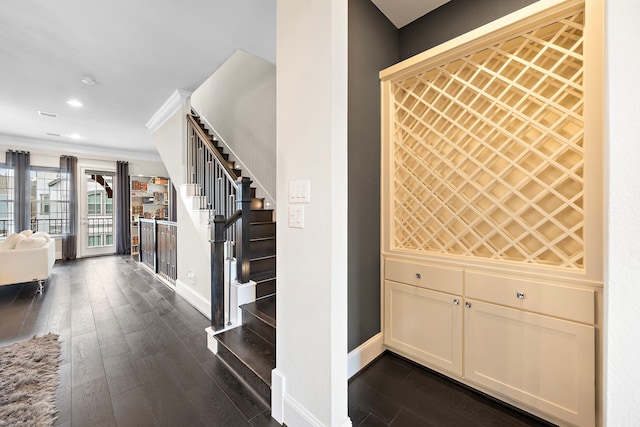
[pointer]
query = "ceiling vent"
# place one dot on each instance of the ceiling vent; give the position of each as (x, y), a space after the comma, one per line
(53, 134)
(50, 115)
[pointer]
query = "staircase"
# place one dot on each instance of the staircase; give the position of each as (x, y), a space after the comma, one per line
(262, 252)
(249, 349)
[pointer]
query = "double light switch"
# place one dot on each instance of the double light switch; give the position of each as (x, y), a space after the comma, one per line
(299, 192)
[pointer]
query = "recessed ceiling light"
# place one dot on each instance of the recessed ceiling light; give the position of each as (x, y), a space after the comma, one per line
(88, 80)
(74, 136)
(46, 114)
(74, 103)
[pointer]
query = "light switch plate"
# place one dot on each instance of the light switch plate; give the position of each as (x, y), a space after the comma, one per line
(300, 191)
(296, 216)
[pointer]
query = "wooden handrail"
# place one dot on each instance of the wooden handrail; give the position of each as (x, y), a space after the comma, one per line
(205, 138)
(230, 199)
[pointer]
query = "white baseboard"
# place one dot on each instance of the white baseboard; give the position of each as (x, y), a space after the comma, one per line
(194, 298)
(212, 342)
(294, 414)
(286, 409)
(297, 415)
(277, 395)
(360, 357)
(241, 293)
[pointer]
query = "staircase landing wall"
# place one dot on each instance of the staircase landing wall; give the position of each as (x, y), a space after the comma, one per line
(239, 102)
(193, 247)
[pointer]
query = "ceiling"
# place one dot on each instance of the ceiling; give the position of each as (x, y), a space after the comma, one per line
(139, 52)
(403, 12)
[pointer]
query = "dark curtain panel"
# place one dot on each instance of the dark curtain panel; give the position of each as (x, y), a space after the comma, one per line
(20, 161)
(123, 226)
(69, 174)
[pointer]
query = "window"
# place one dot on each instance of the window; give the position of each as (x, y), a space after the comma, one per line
(49, 200)
(6, 200)
(94, 204)
(95, 241)
(45, 207)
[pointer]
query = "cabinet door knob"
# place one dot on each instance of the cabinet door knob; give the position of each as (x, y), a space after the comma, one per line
(467, 304)
(418, 275)
(456, 301)
(520, 295)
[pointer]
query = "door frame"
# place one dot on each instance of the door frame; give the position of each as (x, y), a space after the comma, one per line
(83, 232)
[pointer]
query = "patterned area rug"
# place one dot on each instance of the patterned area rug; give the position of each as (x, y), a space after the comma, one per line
(28, 381)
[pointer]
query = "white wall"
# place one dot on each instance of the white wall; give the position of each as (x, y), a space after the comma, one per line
(311, 377)
(239, 102)
(193, 250)
(622, 265)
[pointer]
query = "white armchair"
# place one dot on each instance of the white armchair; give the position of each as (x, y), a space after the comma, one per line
(27, 259)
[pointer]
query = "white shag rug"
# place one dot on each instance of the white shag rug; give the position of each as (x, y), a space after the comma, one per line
(28, 382)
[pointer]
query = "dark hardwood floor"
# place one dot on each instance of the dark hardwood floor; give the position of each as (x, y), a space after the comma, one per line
(395, 392)
(134, 354)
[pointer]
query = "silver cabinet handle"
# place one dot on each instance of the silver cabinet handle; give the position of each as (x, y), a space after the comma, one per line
(456, 301)
(520, 295)
(467, 304)
(418, 276)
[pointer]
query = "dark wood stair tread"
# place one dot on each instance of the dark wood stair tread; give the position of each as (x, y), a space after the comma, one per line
(263, 260)
(257, 354)
(260, 239)
(256, 258)
(264, 309)
(261, 215)
(261, 248)
(261, 277)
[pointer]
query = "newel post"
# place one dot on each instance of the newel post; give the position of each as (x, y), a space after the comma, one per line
(242, 236)
(217, 272)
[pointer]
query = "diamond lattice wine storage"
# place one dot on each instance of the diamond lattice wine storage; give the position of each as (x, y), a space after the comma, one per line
(491, 154)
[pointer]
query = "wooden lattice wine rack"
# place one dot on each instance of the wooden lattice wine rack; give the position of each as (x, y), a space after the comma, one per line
(487, 149)
(492, 209)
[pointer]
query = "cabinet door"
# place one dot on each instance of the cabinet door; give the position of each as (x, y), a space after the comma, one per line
(425, 325)
(542, 361)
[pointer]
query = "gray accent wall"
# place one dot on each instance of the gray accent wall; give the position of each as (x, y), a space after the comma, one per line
(375, 44)
(451, 20)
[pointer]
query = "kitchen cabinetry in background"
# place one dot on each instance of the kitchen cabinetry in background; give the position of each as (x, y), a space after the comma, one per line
(150, 197)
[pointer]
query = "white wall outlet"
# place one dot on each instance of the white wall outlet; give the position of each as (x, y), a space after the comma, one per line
(300, 191)
(296, 216)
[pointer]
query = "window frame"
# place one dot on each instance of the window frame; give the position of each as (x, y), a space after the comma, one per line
(59, 206)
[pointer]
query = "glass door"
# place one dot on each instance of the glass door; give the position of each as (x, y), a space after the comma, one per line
(97, 213)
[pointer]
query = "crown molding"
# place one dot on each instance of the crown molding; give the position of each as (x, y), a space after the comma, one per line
(177, 100)
(58, 148)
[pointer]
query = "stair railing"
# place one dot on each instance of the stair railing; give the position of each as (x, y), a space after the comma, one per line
(219, 227)
(208, 168)
(229, 198)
